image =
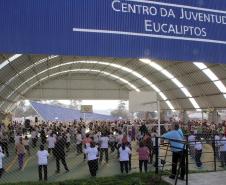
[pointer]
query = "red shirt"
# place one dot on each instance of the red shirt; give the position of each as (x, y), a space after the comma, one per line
(143, 153)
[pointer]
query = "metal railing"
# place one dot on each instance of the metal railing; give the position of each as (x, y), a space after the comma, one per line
(162, 161)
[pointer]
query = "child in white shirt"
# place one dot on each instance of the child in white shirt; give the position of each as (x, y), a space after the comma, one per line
(223, 151)
(51, 143)
(198, 152)
(42, 155)
(92, 156)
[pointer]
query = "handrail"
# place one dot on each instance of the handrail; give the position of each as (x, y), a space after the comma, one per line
(207, 140)
(185, 151)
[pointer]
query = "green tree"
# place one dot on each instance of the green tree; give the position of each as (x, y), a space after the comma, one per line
(121, 111)
(75, 104)
(23, 110)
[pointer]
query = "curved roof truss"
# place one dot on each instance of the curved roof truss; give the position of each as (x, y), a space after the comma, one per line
(210, 74)
(120, 67)
(167, 74)
(79, 70)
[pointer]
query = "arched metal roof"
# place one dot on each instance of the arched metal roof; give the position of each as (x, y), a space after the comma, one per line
(180, 85)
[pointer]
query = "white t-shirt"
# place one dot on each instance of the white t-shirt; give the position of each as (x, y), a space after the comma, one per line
(78, 139)
(124, 154)
(68, 137)
(191, 139)
(104, 142)
(1, 157)
(153, 136)
(91, 153)
(42, 157)
(223, 144)
(198, 145)
(217, 140)
(51, 142)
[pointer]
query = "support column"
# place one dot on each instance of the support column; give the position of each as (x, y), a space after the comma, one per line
(146, 115)
(159, 117)
(184, 116)
(163, 115)
(213, 116)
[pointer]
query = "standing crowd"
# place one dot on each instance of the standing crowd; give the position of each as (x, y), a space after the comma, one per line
(93, 140)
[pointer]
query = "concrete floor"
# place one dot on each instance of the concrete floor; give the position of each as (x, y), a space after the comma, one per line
(210, 178)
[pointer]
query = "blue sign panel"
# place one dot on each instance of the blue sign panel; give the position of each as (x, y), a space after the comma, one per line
(181, 30)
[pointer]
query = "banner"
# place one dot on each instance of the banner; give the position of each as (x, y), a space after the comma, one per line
(174, 30)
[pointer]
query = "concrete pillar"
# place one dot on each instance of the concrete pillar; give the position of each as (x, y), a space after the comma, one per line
(146, 115)
(163, 115)
(183, 116)
(213, 116)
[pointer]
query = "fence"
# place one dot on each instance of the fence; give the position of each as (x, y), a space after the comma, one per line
(79, 169)
(74, 157)
(210, 156)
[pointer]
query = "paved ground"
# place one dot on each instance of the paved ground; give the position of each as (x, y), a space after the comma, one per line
(210, 178)
(79, 169)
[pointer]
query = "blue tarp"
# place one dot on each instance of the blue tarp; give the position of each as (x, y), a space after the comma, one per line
(53, 113)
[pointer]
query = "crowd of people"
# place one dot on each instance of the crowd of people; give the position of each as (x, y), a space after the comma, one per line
(94, 140)
(194, 135)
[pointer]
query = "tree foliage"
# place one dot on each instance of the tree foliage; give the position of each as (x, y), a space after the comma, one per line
(23, 110)
(121, 111)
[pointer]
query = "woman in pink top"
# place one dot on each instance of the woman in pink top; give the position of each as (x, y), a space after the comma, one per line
(143, 153)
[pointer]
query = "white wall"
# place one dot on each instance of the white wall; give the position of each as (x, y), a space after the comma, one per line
(83, 88)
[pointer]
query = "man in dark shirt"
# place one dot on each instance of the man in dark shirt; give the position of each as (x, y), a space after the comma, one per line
(143, 129)
(60, 154)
